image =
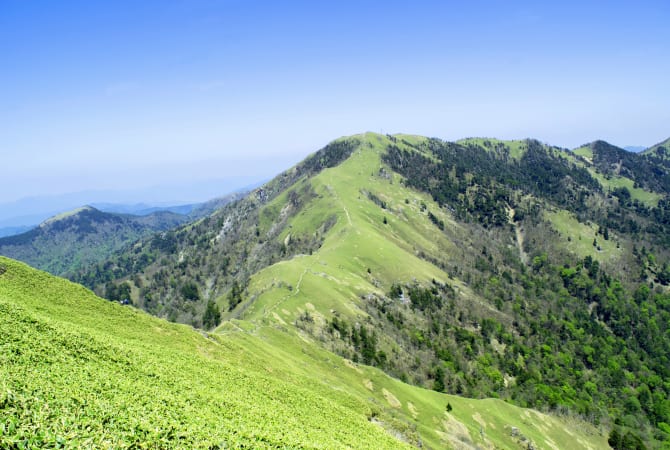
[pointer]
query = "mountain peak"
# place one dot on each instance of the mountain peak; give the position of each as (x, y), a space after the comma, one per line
(599, 144)
(81, 237)
(68, 214)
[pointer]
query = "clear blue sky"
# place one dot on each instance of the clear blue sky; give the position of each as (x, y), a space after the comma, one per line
(129, 94)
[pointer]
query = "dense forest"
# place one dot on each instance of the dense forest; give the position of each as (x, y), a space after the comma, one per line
(583, 338)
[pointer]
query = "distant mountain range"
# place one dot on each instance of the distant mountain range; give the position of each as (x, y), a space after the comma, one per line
(142, 209)
(136, 209)
(30, 211)
(20, 224)
(81, 237)
(69, 241)
(11, 231)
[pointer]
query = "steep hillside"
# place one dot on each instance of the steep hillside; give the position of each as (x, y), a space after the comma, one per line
(481, 268)
(173, 274)
(78, 371)
(76, 239)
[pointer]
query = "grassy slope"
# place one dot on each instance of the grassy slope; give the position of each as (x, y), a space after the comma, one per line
(89, 372)
(82, 371)
(647, 197)
(360, 240)
(336, 278)
(585, 151)
(578, 237)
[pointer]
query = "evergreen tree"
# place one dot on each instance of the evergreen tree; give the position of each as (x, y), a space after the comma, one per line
(212, 316)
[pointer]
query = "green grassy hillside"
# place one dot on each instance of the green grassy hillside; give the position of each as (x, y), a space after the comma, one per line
(337, 273)
(648, 170)
(388, 234)
(79, 371)
(457, 267)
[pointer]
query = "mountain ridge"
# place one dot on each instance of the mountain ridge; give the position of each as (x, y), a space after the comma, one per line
(428, 259)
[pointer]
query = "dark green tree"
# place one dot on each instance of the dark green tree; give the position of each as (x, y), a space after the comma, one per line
(190, 291)
(664, 275)
(212, 316)
(234, 296)
(615, 439)
(438, 385)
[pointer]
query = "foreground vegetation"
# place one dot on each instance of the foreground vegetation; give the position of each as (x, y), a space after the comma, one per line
(79, 371)
(83, 372)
